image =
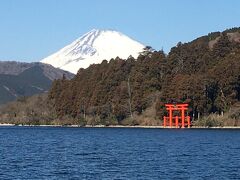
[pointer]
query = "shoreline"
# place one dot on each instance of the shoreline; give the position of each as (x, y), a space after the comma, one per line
(120, 126)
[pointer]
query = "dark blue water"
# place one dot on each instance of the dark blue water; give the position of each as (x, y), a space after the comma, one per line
(118, 153)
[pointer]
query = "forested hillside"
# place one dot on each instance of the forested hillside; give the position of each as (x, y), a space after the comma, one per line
(204, 73)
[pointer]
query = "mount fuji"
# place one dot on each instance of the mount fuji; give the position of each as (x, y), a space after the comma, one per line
(92, 48)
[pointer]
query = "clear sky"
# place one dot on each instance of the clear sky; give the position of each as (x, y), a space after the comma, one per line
(33, 29)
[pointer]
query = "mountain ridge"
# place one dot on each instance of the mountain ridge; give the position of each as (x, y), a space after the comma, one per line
(19, 79)
(92, 48)
(15, 68)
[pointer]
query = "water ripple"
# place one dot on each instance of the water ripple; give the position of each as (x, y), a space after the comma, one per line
(105, 153)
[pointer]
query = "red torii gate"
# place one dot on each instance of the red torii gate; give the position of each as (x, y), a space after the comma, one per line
(176, 107)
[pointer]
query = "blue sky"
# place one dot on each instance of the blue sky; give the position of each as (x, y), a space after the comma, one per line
(31, 30)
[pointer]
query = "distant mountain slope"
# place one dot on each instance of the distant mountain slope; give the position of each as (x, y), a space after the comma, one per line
(15, 68)
(92, 48)
(26, 79)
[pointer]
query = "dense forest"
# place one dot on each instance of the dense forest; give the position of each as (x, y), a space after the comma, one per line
(204, 73)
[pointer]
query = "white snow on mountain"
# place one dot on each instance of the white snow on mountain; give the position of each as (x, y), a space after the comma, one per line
(92, 48)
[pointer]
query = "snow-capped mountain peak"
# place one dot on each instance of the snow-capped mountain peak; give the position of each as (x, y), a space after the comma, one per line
(92, 48)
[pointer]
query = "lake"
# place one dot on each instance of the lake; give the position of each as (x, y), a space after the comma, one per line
(118, 153)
